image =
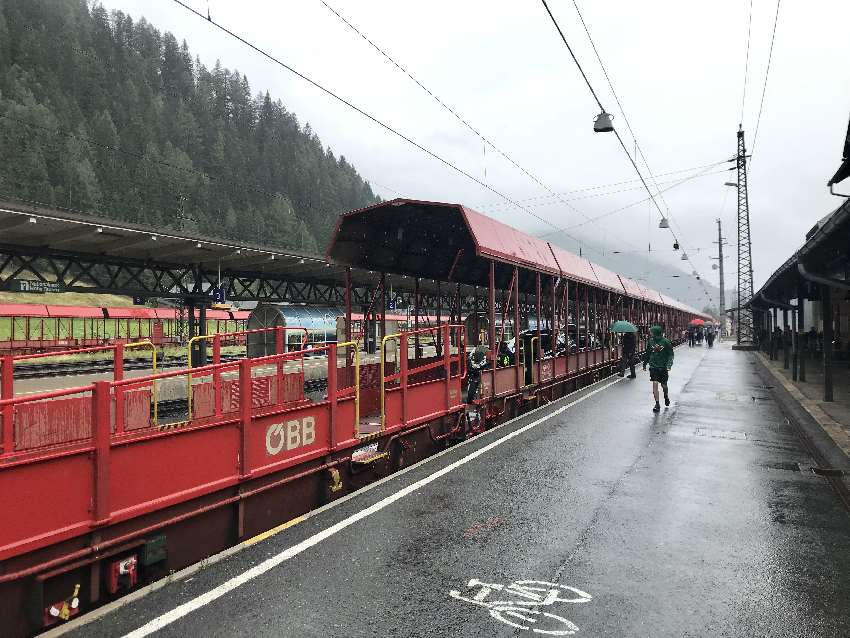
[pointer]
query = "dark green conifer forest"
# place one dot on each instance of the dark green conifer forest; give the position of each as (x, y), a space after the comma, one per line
(103, 113)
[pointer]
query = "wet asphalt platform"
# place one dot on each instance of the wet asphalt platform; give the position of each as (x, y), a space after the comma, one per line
(589, 517)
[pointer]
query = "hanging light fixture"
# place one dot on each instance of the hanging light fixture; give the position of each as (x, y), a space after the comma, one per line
(602, 123)
(684, 256)
(714, 266)
(664, 223)
(675, 245)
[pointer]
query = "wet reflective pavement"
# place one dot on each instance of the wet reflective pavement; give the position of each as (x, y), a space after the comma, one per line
(602, 519)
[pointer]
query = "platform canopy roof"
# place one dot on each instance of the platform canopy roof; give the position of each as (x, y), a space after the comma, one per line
(451, 242)
(825, 252)
(28, 228)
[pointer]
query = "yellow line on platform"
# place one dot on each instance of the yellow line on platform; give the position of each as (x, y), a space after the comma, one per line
(272, 531)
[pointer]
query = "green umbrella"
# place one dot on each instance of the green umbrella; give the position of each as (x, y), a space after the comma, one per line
(623, 326)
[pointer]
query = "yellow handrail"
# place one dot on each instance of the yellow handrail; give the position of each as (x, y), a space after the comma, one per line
(346, 344)
(147, 343)
(383, 406)
(189, 345)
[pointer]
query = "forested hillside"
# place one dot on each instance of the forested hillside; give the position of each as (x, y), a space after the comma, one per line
(106, 114)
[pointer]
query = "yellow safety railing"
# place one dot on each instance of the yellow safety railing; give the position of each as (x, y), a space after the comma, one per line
(346, 344)
(189, 345)
(383, 383)
(147, 343)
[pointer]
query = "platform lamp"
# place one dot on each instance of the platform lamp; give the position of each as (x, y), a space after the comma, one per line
(602, 123)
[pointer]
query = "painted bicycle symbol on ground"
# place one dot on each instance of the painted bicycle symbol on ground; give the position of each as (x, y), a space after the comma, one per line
(519, 604)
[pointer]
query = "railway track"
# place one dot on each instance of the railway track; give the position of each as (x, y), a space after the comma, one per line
(73, 368)
(176, 410)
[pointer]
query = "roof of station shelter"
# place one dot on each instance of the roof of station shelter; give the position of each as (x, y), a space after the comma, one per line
(25, 225)
(451, 242)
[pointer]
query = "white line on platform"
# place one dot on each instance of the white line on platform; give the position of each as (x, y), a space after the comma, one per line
(258, 570)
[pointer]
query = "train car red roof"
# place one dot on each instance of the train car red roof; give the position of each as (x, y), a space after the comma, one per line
(83, 312)
(450, 242)
(506, 243)
(165, 314)
(607, 278)
(23, 310)
(128, 312)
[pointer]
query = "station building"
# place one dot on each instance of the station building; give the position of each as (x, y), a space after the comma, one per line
(808, 298)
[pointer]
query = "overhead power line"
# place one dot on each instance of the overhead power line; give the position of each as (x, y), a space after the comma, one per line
(602, 108)
(380, 123)
(746, 63)
(552, 193)
(638, 148)
(547, 201)
(766, 75)
(584, 189)
(637, 202)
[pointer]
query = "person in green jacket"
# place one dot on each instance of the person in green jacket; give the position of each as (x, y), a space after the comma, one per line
(659, 357)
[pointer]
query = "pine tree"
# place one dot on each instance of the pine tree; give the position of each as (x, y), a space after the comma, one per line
(105, 113)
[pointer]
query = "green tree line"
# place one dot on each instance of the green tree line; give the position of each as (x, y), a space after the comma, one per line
(108, 115)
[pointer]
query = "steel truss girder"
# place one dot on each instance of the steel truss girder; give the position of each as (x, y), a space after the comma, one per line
(115, 275)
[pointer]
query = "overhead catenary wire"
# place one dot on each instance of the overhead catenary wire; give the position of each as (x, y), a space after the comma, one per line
(642, 201)
(590, 219)
(766, 75)
(600, 187)
(378, 122)
(456, 115)
(602, 108)
(638, 148)
(746, 63)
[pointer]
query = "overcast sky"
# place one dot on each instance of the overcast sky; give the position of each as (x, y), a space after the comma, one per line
(677, 67)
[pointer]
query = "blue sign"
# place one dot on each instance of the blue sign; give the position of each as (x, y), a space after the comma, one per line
(217, 294)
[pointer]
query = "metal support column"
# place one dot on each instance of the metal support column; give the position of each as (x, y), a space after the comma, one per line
(202, 331)
(417, 348)
(534, 355)
(801, 327)
(519, 380)
(745, 329)
(491, 327)
(795, 342)
(828, 336)
(383, 306)
(785, 353)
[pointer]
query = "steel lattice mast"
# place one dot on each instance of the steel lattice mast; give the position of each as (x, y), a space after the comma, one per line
(722, 282)
(745, 336)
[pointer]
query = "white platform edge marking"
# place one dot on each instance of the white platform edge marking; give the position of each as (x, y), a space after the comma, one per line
(182, 574)
(270, 563)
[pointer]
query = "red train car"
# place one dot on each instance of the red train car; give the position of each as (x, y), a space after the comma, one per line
(102, 492)
(31, 328)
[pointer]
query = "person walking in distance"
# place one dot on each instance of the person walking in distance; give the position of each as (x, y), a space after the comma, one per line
(659, 358)
(692, 336)
(629, 344)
